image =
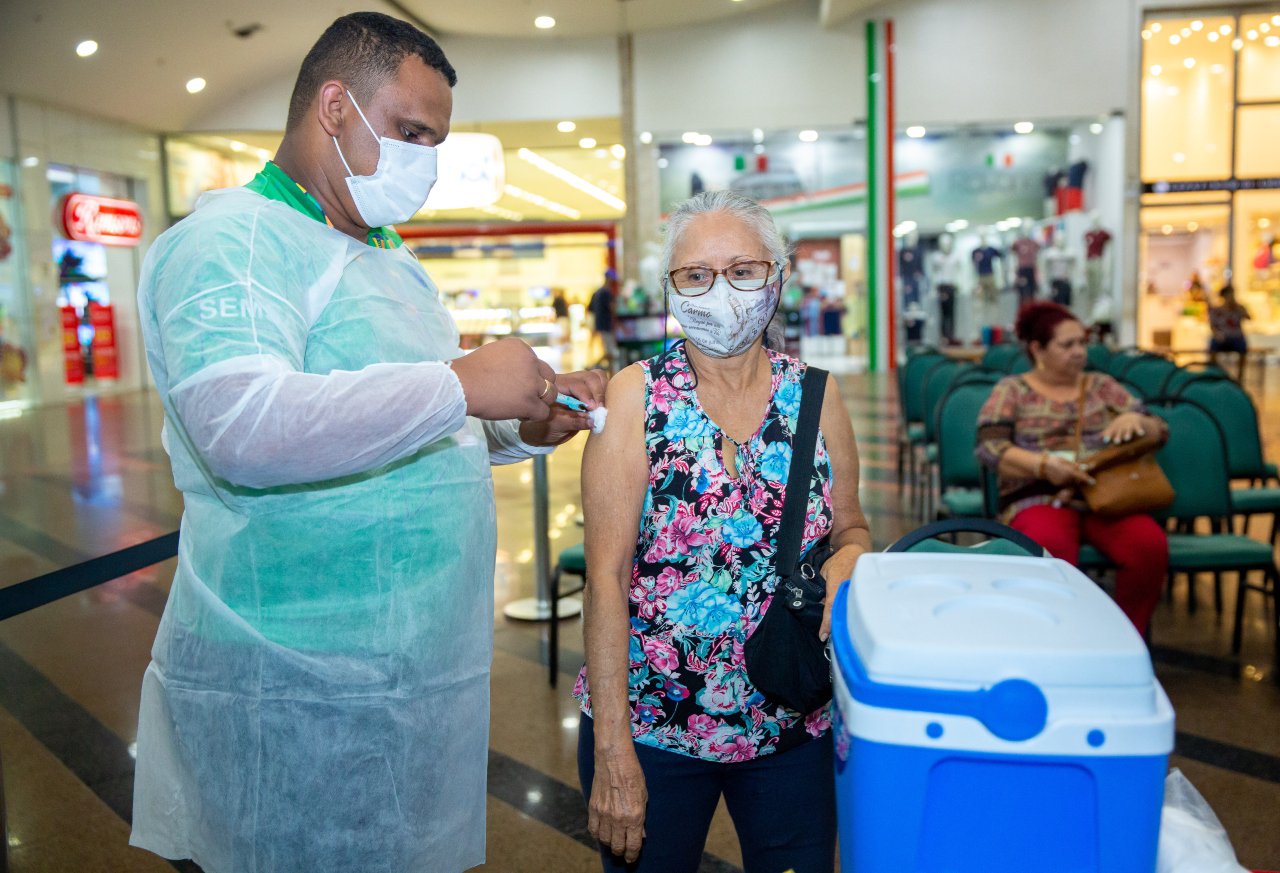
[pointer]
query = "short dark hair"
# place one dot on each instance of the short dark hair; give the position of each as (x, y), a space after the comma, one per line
(364, 50)
(1038, 321)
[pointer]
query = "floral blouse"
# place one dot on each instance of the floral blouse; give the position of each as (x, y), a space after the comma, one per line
(703, 575)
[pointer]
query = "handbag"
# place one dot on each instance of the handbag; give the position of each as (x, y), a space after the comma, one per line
(1126, 477)
(785, 660)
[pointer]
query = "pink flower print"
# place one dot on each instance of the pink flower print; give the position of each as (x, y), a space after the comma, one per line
(648, 597)
(684, 530)
(662, 394)
(738, 748)
(668, 581)
(661, 655)
(703, 725)
(818, 721)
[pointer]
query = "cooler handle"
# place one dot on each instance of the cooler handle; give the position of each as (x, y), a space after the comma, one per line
(1012, 709)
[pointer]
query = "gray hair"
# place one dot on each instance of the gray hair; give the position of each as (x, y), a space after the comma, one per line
(750, 213)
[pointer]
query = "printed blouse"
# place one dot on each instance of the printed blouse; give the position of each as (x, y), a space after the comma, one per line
(703, 575)
(1016, 414)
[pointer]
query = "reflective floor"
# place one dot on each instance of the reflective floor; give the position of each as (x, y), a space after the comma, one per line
(91, 478)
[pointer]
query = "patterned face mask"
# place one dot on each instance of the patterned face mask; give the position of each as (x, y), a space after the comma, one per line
(724, 322)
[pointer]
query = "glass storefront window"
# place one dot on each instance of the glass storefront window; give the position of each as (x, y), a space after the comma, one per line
(1257, 132)
(1188, 84)
(1257, 273)
(1260, 57)
(15, 321)
(1183, 250)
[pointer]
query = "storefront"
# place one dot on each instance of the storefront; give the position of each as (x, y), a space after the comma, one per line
(16, 340)
(1210, 119)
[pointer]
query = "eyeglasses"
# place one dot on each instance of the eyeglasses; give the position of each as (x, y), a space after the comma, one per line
(741, 276)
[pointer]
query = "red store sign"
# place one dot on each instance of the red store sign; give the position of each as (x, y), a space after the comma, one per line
(100, 220)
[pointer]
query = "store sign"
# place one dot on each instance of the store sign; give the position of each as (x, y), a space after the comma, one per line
(1196, 187)
(100, 220)
(471, 172)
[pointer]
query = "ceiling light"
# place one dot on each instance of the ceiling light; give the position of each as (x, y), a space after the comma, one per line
(1156, 69)
(235, 145)
(1213, 36)
(758, 148)
(30, 161)
(1186, 32)
(587, 142)
(645, 137)
(1275, 19)
(618, 151)
(1179, 157)
(566, 127)
(1146, 34)
(662, 163)
(1264, 223)
(757, 135)
(571, 179)
(690, 136)
(1225, 30)
(1272, 40)
(1197, 24)
(1155, 27)
(1174, 39)
(1252, 34)
(539, 200)
(600, 153)
(1095, 128)
(915, 131)
(544, 22)
(1193, 226)
(1167, 229)
(1024, 127)
(1188, 62)
(808, 136)
(1237, 44)
(86, 48)
(1216, 68)
(704, 139)
(196, 85)
(1264, 27)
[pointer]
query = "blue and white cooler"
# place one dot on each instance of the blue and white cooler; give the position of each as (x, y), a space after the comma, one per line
(993, 715)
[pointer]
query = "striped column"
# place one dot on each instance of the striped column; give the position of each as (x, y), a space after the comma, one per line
(881, 315)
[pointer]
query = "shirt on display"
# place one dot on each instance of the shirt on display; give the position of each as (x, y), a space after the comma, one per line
(1075, 174)
(944, 267)
(909, 263)
(983, 259)
(1095, 243)
(1026, 249)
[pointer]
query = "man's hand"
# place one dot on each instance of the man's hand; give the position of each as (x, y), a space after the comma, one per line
(564, 423)
(505, 379)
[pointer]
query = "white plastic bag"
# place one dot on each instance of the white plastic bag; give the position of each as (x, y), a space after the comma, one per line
(1192, 840)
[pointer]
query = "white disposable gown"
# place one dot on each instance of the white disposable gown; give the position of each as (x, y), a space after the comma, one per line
(317, 698)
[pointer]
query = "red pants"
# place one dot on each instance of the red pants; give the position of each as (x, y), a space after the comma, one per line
(1134, 543)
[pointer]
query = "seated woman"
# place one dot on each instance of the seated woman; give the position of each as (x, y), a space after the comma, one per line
(682, 497)
(1027, 434)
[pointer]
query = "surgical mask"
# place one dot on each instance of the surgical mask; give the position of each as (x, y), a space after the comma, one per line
(724, 321)
(399, 186)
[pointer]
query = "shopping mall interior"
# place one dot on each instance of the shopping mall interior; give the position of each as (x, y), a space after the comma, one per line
(932, 166)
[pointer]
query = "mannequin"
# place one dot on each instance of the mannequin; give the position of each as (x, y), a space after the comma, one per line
(1026, 251)
(944, 274)
(1060, 268)
(988, 265)
(1097, 272)
(911, 272)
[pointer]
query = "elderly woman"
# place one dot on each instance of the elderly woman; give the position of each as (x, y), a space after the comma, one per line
(682, 496)
(1027, 434)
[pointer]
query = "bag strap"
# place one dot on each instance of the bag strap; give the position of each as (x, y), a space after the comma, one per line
(795, 501)
(1084, 380)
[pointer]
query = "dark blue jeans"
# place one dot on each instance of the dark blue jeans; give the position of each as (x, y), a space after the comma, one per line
(783, 807)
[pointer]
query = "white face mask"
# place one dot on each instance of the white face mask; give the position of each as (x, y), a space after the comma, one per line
(725, 322)
(399, 186)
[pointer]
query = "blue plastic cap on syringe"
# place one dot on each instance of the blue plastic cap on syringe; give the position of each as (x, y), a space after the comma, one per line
(571, 402)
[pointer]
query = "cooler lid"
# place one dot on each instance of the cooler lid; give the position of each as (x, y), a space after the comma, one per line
(964, 621)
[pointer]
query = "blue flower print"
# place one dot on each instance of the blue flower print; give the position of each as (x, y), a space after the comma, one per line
(742, 529)
(775, 463)
(684, 422)
(703, 608)
(787, 398)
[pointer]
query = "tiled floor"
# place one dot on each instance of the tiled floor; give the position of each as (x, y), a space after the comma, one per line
(91, 478)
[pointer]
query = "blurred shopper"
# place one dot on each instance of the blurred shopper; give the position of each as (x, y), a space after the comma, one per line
(603, 309)
(1226, 327)
(682, 496)
(1027, 434)
(318, 693)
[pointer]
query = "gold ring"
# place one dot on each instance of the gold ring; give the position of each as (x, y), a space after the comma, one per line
(545, 388)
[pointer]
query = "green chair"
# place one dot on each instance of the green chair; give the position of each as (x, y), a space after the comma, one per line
(959, 473)
(1001, 356)
(1148, 374)
(1195, 461)
(1097, 357)
(911, 408)
(937, 381)
(1189, 372)
(572, 561)
(1237, 417)
(1003, 540)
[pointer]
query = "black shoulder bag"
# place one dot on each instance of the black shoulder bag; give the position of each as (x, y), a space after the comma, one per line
(785, 659)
